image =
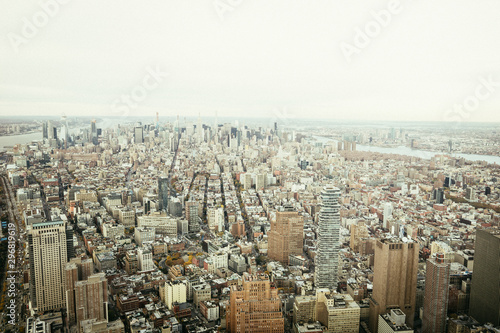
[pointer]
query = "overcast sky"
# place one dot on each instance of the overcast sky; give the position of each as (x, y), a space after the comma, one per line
(252, 58)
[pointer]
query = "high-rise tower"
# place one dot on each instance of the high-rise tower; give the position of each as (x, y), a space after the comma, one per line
(394, 279)
(437, 279)
(286, 235)
(327, 258)
(255, 306)
(47, 251)
(93, 132)
(485, 291)
(163, 192)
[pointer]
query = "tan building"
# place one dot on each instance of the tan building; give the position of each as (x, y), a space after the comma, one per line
(201, 292)
(93, 326)
(286, 235)
(47, 252)
(131, 262)
(77, 269)
(338, 312)
(127, 217)
(304, 309)
(255, 307)
(394, 280)
(437, 280)
(358, 233)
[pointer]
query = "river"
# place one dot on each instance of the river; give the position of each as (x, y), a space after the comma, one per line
(11, 140)
(6, 142)
(426, 154)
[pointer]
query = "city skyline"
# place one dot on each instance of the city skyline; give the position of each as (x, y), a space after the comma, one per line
(250, 166)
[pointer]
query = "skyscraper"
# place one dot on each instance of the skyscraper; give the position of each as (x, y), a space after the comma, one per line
(163, 189)
(45, 130)
(255, 306)
(77, 269)
(327, 258)
(91, 298)
(192, 216)
(138, 134)
(47, 252)
(437, 279)
(286, 235)
(485, 295)
(93, 132)
(394, 279)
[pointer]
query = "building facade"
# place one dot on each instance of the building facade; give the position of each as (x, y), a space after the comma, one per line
(48, 257)
(394, 279)
(255, 307)
(286, 235)
(485, 296)
(327, 258)
(437, 279)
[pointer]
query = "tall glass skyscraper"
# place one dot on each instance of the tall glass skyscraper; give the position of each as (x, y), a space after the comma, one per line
(327, 258)
(163, 192)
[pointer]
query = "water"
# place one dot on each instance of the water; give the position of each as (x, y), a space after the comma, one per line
(6, 142)
(425, 154)
(11, 140)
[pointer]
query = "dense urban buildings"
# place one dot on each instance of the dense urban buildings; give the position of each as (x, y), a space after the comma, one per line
(192, 226)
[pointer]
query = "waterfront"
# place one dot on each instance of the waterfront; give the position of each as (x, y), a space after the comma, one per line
(426, 154)
(11, 140)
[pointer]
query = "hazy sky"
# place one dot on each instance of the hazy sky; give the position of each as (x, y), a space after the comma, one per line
(290, 58)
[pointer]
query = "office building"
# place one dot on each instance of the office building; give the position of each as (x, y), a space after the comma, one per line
(192, 216)
(437, 278)
(91, 299)
(93, 132)
(138, 134)
(163, 192)
(485, 291)
(254, 307)
(286, 235)
(77, 269)
(394, 279)
(45, 130)
(47, 253)
(327, 257)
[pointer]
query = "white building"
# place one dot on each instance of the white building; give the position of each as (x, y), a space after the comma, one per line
(145, 260)
(160, 222)
(173, 291)
(215, 218)
(143, 235)
(113, 231)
